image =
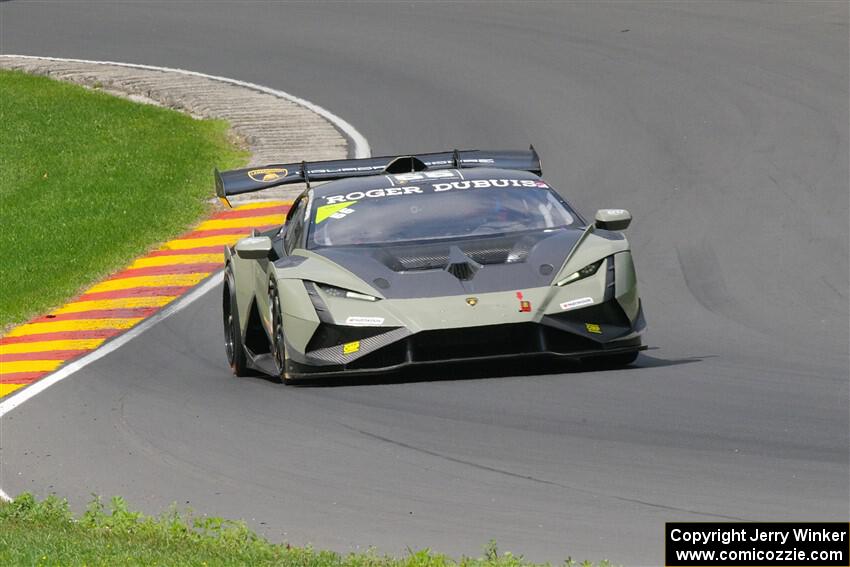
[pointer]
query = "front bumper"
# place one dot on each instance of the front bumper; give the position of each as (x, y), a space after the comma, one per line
(602, 330)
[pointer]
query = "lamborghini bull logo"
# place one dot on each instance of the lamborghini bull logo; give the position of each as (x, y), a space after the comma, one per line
(267, 174)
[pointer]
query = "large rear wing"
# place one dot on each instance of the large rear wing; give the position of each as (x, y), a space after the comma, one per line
(250, 179)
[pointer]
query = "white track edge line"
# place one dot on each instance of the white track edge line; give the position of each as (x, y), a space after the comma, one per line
(361, 145)
(361, 149)
(39, 386)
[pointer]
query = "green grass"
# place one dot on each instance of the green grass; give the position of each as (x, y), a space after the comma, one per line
(88, 181)
(47, 533)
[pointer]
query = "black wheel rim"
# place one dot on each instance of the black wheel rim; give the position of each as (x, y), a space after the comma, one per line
(277, 324)
(228, 332)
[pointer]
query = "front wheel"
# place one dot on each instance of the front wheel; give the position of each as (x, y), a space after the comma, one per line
(233, 346)
(278, 348)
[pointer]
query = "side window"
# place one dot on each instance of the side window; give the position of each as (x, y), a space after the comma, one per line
(295, 226)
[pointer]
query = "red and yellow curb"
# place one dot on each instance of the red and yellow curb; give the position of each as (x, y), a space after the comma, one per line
(37, 348)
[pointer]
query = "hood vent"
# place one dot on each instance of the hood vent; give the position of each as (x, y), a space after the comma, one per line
(460, 265)
(483, 251)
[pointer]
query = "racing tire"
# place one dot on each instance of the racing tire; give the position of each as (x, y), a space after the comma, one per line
(278, 347)
(233, 346)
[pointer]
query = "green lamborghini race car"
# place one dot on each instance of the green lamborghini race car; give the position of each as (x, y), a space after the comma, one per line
(416, 260)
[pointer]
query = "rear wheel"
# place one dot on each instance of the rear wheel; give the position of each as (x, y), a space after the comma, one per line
(233, 346)
(278, 348)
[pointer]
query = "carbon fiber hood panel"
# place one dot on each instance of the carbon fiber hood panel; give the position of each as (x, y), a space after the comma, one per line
(520, 261)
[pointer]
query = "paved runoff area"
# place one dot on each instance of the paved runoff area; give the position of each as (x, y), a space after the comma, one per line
(274, 129)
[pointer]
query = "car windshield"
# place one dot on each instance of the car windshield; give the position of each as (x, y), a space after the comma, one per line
(430, 212)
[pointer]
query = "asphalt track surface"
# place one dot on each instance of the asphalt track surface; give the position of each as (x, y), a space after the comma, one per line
(722, 127)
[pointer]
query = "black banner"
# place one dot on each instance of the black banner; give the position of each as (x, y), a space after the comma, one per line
(757, 544)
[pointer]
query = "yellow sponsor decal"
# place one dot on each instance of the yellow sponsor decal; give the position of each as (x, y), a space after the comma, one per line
(593, 328)
(335, 210)
(267, 174)
(351, 348)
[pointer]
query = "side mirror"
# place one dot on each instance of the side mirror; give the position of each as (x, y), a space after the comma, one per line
(254, 247)
(613, 219)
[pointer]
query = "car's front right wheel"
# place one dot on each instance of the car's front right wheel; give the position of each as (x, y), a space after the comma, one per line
(278, 348)
(233, 346)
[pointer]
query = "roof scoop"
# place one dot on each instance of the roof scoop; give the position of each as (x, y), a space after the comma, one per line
(460, 265)
(405, 164)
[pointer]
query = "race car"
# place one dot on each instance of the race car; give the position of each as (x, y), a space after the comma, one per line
(404, 261)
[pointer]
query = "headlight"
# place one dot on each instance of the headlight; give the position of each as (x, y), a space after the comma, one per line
(339, 292)
(585, 272)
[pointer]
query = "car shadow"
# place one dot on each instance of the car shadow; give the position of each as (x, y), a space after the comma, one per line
(496, 369)
(648, 361)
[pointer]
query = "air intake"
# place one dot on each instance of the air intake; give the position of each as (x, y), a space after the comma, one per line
(405, 164)
(460, 265)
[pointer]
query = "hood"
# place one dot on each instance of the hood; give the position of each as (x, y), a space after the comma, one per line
(459, 266)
